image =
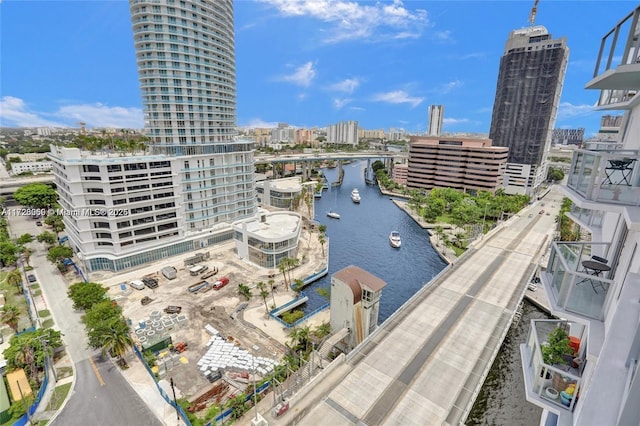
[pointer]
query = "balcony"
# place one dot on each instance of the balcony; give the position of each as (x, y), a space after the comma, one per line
(553, 378)
(607, 177)
(572, 288)
(587, 218)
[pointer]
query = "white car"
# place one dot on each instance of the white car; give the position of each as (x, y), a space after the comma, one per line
(137, 284)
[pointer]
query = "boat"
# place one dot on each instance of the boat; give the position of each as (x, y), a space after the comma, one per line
(317, 194)
(333, 215)
(394, 239)
(355, 196)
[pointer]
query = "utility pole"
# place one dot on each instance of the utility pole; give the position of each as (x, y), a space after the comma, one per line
(173, 389)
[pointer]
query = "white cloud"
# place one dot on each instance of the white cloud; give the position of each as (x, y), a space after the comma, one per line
(339, 103)
(100, 115)
(473, 55)
(302, 76)
(398, 97)
(569, 110)
(455, 120)
(15, 112)
(354, 108)
(260, 124)
(354, 20)
(348, 85)
(448, 87)
(443, 35)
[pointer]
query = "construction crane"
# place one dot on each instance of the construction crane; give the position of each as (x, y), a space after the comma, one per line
(532, 15)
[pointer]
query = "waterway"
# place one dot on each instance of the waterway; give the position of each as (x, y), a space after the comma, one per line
(502, 399)
(361, 238)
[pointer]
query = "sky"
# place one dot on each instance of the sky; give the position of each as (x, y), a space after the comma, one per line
(309, 63)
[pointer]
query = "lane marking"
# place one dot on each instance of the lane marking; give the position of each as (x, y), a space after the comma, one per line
(95, 370)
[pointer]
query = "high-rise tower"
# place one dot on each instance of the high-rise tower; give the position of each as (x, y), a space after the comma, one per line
(436, 115)
(185, 52)
(199, 179)
(530, 82)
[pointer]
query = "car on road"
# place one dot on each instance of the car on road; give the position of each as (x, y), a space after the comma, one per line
(39, 223)
(541, 211)
(32, 278)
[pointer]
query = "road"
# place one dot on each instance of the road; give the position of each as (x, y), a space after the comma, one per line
(101, 395)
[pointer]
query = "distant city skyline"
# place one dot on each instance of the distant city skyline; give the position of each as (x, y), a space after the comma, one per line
(303, 63)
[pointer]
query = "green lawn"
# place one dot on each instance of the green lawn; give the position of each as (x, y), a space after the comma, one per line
(15, 297)
(44, 313)
(58, 396)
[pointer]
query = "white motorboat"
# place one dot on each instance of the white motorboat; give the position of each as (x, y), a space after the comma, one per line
(333, 215)
(355, 196)
(394, 239)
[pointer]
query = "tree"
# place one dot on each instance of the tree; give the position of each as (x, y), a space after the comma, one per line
(8, 253)
(322, 330)
(98, 315)
(271, 283)
(283, 267)
(24, 239)
(59, 253)
(10, 316)
(27, 255)
(15, 278)
(322, 240)
(85, 295)
(56, 223)
(245, 291)
(263, 293)
(297, 285)
(37, 195)
(555, 175)
(116, 339)
(48, 238)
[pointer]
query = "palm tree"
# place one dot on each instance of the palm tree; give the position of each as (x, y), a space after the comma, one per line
(297, 285)
(322, 330)
(244, 290)
(27, 357)
(271, 282)
(283, 267)
(116, 339)
(27, 255)
(15, 278)
(303, 337)
(322, 240)
(263, 293)
(293, 263)
(10, 316)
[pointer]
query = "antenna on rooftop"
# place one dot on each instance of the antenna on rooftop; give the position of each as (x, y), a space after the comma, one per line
(532, 15)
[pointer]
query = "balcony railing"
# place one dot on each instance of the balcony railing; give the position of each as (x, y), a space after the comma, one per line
(591, 219)
(620, 46)
(611, 177)
(558, 385)
(574, 287)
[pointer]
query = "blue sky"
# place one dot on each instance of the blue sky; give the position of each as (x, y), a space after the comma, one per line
(303, 62)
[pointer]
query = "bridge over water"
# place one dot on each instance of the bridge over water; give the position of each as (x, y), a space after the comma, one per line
(426, 364)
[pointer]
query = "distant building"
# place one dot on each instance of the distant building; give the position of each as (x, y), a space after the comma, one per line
(399, 173)
(458, 163)
(371, 134)
(278, 193)
(396, 134)
(530, 79)
(283, 134)
(436, 115)
(567, 136)
(31, 166)
(44, 131)
(344, 132)
(355, 300)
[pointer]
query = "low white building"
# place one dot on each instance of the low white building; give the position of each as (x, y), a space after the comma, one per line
(278, 193)
(31, 166)
(266, 240)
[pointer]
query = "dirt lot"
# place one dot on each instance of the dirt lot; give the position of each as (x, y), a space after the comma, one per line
(214, 307)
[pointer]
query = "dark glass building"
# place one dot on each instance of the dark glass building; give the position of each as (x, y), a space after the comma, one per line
(530, 82)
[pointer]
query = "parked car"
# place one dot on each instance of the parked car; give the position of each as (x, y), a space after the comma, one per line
(137, 284)
(171, 309)
(146, 300)
(32, 278)
(39, 223)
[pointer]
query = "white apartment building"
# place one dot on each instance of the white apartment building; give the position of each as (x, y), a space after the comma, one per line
(344, 132)
(397, 134)
(436, 116)
(30, 166)
(283, 134)
(594, 285)
(198, 179)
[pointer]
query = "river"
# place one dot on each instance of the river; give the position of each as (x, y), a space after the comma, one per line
(361, 238)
